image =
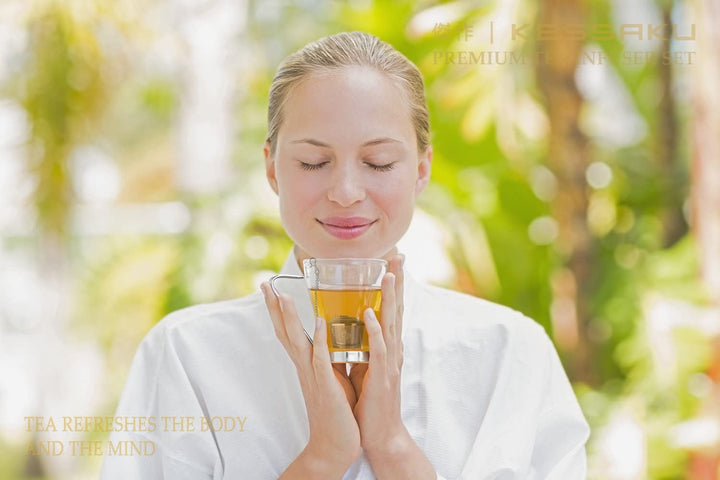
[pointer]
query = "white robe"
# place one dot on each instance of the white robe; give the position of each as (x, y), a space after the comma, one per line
(483, 393)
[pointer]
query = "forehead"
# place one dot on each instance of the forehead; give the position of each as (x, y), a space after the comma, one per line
(347, 105)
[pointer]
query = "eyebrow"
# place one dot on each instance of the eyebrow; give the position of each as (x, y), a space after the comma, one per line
(374, 141)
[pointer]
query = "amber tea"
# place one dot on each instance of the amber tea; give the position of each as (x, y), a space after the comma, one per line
(341, 289)
(343, 310)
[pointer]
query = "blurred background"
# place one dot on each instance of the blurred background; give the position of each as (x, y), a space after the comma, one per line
(576, 178)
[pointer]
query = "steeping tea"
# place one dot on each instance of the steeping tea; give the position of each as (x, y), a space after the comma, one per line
(341, 289)
(343, 310)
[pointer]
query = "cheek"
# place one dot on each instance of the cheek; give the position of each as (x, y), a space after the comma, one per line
(397, 197)
(298, 195)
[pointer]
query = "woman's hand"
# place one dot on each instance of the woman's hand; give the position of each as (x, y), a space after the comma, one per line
(388, 445)
(377, 383)
(329, 396)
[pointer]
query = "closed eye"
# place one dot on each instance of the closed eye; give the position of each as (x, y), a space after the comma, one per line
(382, 168)
(311, 166)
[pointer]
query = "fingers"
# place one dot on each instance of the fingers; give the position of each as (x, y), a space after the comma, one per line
(293, 325)
(273, 306)
(318, 377)
(400, 293)
(378, 351)
(396, 268)
(287, 325)
(400, 302)
(388, 314)
(320, 352)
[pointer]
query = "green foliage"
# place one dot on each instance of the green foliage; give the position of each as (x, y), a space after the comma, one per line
(63, 90)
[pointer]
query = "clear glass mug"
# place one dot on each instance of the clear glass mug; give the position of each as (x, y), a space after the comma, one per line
(340, 290)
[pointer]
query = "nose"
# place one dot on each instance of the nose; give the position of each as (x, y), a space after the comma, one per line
(346, 186)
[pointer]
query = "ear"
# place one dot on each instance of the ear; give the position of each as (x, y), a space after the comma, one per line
(270, 168)
(424, 164)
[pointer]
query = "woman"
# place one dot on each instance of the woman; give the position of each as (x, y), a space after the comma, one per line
(456, 387)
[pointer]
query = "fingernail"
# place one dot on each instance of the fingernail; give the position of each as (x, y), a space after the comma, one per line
(281, 300)
(403, 259)
(318, 323)
(262, 289)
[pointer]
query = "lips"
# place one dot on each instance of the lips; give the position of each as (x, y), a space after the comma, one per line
(346, 227)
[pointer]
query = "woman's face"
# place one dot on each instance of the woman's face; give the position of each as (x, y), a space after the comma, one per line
(346, 168)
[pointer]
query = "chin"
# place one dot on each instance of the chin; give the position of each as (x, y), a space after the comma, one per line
(340, 252)
(348, 251)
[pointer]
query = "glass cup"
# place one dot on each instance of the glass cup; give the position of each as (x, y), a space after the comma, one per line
(340, 290)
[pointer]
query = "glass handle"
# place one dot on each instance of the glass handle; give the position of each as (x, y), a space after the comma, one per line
(277, 295)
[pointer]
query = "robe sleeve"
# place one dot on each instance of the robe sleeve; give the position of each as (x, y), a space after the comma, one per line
(549, 442)
(158, 386)
(561, 430)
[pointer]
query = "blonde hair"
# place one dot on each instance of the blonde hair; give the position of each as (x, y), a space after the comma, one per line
(343, 50)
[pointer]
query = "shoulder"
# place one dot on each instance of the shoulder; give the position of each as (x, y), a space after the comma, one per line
(208, 319)
(464, 309)
(460, 317)
(208, 312)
